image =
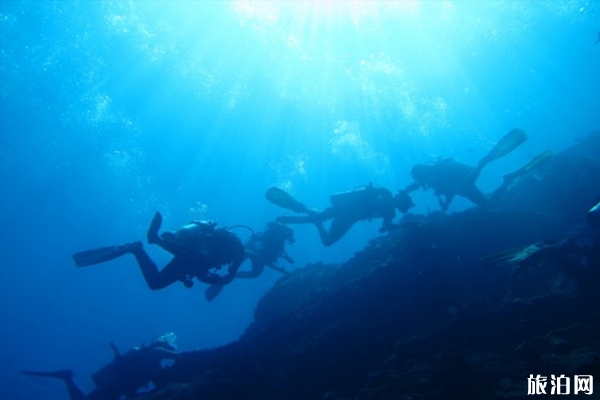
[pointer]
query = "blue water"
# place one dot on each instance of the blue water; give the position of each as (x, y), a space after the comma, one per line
(110, 111)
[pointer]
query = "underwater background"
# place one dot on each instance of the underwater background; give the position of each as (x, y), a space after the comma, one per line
(111, 111)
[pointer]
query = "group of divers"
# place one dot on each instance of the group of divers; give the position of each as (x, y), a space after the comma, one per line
(201, 250)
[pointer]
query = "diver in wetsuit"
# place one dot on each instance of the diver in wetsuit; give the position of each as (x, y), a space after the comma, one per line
(346, 209)
(200, 250)
(123, 376)
(449, 178)
(265, 248)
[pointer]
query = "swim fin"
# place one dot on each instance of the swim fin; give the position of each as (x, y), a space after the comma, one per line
(532, 164)
(512, 256)
(508, 143)
(102, 254)
(152, 234)
(283, 199)
(212, 291)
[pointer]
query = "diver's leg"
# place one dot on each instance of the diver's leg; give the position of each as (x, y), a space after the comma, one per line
(74, 392)
(323, 234)
(306, 219)
(172, 246)
(66, 376)
(477, 197)
(152, 234)
(339, 227)
(156, 279)
(497, 194)
(154, 238)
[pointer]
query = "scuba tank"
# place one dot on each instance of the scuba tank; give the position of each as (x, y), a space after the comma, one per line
(593, 216)
(192, 235)
(350, 199)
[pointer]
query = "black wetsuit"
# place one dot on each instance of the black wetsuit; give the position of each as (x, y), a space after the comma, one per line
(348, 208)
(123, 376)
(449, 178)
(209, 252)
(266, 248)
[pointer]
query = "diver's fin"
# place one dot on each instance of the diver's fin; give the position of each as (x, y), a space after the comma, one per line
(512, 256)
(115, 349)
(532, 164)
(593, 217)
(64, 374)
(102, 254)
(508, 143)
(212, 291)
(152, 234)
(283, 199)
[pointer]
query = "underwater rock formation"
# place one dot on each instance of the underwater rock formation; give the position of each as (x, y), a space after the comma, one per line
(416, 315)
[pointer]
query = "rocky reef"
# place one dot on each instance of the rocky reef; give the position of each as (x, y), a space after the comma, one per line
(416, 315)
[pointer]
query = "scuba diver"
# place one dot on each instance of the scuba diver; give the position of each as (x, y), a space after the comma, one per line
(123, 376)
(346, 209)
(263, 250)
(449, 178)
(570, 254)
(199, 249)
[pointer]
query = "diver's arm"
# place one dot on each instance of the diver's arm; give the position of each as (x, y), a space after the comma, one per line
(211, 278)
(277, 268)
(233, 268)
(218, 280)
(388, 225)
(287, 257)
(257, 268)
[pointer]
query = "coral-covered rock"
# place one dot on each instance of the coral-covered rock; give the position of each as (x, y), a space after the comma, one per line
(415, 315)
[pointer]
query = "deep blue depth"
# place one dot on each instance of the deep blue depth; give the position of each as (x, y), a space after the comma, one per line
(110, 111)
